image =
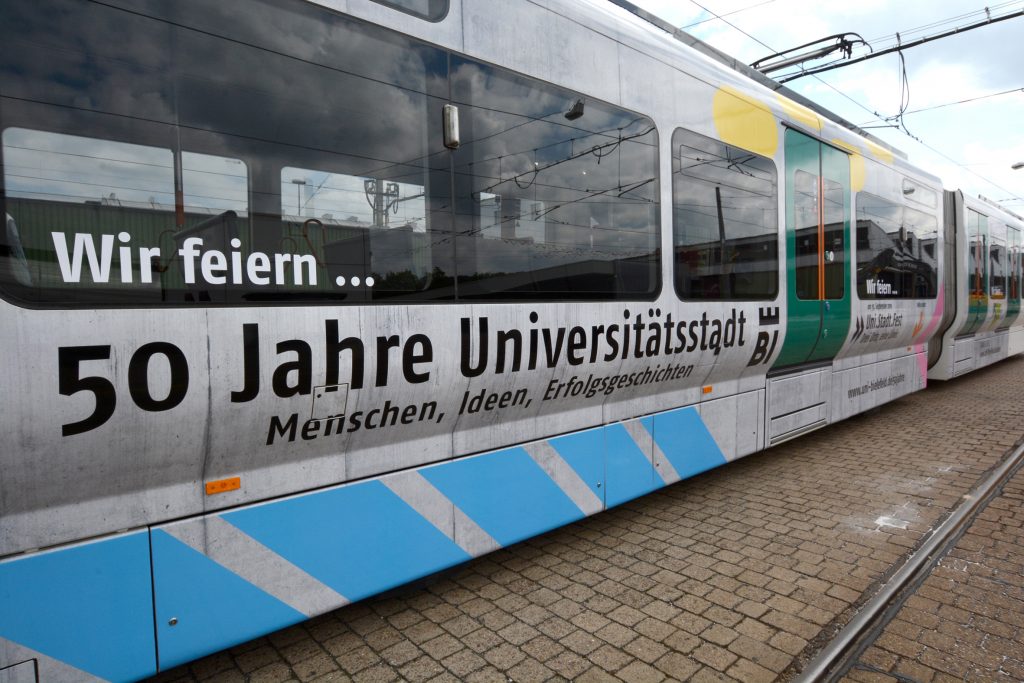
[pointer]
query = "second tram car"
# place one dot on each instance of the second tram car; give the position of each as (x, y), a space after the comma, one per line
(303, 300)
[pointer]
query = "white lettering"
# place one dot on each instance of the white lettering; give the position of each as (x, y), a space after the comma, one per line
(257, 263)
(213, 264)
(99, 265)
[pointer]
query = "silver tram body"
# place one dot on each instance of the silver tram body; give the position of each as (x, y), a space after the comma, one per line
(279, 335)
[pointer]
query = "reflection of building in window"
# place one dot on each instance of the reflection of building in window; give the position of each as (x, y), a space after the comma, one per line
(896, 250)
(997, 271)
(351, 197)
(725, 220)
(357, 226)
(552, 199)
(85, 207)
(977, 238)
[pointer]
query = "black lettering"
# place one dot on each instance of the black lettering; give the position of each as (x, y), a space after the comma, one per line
(286, 429)
(411, 358)
(69, 383)
(384, 345)
(138, 376)
(577, 342)
(504, 338)
(334, 346)
(553, 352)
(427, 410)
(302, 366)
(468, 369)
(611, 336)
(250, 364)
(310, 429)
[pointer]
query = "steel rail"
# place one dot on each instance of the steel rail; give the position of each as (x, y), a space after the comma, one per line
(824, 666)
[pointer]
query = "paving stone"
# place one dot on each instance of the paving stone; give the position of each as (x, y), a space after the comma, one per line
(315, 667)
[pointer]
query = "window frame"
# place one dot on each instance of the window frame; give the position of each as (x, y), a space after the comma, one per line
(902, 208)
(118, 130)
(774, 231)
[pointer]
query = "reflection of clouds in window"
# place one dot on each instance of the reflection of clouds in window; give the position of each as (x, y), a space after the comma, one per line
(358, 94)
(747, 196)
(69, 168)
(214, 182)
(724, 220)
(84, 60)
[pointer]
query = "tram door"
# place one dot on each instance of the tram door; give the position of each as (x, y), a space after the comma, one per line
(817, 250)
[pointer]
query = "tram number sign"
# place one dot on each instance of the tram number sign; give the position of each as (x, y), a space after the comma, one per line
(71, 381)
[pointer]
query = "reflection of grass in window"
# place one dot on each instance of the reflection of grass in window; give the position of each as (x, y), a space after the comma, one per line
(403, 281)
(407, 281)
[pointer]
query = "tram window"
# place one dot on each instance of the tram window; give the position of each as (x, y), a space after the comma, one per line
(997, 259)
(214, 183)
(1013, 235)
(805, 217)
(725, 220)
(895, 250)
(556, 195)
(834, 252)
(977, 238)
(359, 229)
(209, 210)
(149, 121)
(431, 10)
(80, 204)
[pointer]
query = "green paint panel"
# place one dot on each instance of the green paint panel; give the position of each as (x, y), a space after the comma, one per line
(835, 315)
(815, 328)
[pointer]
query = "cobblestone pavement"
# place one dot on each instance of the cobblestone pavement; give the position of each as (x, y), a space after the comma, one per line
(742, 573)
(966, 621)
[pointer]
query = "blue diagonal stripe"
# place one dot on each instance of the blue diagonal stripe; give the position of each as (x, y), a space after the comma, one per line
(584, 452)
(359, 540)
(630, 473)
(686, 442)
(506, 493)
(89, 606)
(213, 608)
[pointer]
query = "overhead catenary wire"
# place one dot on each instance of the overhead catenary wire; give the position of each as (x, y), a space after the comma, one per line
(874, 113)
(899, 46)
(985, 11)
(950, 104)
(728, 14)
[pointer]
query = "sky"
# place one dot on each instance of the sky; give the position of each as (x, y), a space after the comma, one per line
(970, 146)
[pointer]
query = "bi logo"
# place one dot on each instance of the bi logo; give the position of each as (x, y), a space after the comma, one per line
(764, 347)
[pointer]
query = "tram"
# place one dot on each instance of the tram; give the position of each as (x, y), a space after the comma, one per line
(303, 300)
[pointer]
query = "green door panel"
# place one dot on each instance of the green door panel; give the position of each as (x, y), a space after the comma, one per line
(835, 314)
(803, 316)
(817, 260)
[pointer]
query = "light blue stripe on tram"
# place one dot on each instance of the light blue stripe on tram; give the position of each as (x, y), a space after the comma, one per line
(630, 472)
(584, 451)
(686, 442)
(359, 539)
(89, 606)
(214, 608)
(506, 493)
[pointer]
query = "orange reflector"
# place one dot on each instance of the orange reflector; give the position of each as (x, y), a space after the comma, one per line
(706, 390)
(222, 485)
